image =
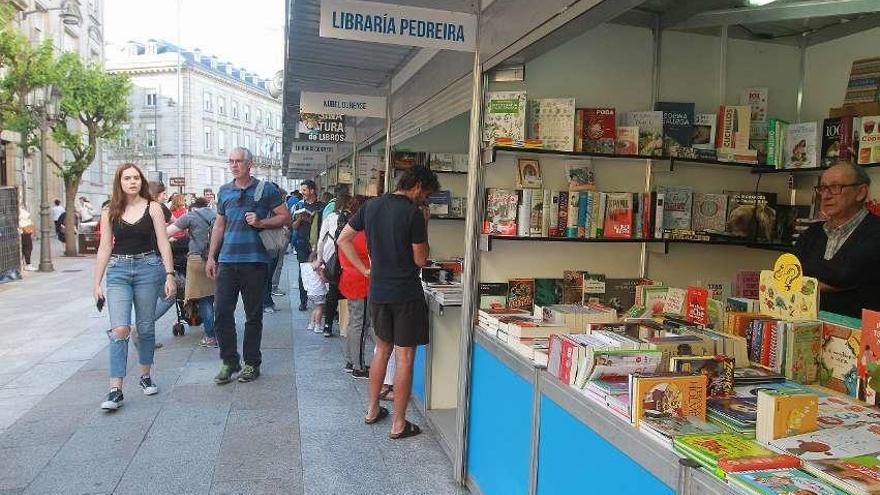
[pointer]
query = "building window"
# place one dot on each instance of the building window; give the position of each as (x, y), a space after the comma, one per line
(151, 136)
(207, 102)
(247, 113)
(125, 137)
(259, 116)
(258, 147)
(235, 140)
(151, 97)
(247, 142)
(221, 140)
(209, 135)
(234, 109)
(268, 120)
(221, 105)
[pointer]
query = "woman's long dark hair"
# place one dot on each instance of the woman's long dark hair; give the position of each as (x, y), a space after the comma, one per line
(118, 199)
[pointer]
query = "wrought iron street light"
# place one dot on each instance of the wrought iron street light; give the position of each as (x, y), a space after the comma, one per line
(44, 109)
(70, 14)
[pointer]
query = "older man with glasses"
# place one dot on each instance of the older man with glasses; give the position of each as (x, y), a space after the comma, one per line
(242, 265)
(843, 252)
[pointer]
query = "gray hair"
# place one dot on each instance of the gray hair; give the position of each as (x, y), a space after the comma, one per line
(859, 173)
(248, 156)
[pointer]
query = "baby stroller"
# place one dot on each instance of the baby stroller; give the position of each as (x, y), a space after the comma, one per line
(186, 313)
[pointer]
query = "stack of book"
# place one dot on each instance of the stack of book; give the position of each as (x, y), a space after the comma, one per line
(735, 414)
(663, 428)
(447, 294)
(722, 453)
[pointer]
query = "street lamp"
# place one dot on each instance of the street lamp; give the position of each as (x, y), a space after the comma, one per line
(70, 14)
(45, 111)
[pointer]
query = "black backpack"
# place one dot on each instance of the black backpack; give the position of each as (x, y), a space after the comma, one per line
(332, 268)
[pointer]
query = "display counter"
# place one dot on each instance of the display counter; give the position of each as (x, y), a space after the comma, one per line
(529, 433)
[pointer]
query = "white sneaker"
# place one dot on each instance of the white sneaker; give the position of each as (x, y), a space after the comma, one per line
(148, 386)
(30, 268)
(317, 328)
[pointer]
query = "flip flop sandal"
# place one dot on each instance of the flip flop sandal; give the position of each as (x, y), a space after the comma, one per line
(383, 395)
(382, 414)
(409, 430)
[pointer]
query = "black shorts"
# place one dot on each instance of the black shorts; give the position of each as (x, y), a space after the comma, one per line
(403, 324)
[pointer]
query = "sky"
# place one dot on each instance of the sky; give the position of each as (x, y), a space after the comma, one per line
(248, 33)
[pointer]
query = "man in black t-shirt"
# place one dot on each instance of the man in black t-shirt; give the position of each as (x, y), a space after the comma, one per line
(396, 225)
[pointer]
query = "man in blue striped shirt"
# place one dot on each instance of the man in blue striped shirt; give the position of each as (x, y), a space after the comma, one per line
(242, 267)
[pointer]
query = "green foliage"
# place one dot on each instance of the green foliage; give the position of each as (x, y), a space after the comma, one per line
(92, 107)
(25, 69)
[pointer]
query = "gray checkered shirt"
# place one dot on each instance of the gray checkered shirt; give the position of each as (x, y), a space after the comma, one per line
(838, 235)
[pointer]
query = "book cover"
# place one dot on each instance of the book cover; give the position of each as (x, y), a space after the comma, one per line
(617, 365)
(521, 294)
(501, 212)
(784, 414)
(524, 212)
(402, 160)
(756, 100)
(593, 286)
(753, 375)
(751, 215)
(678, 394)
(803, 346)
(505, 116)
(830, 141)
(869, 140)
(620, 293)
(740, 409)
(838, 365)
(600, 130)
(703, 136)
(709, 212)
(552, 121)
(675, 301)
(678, 124)
(442, 162)
(580, 175)
(536, 215)
(787, 225)
(780, 482)
(776, 131)
(696, 305)
(551, 213)
(493, 295)
(548, 291)
(562, 220)
(677, 205)
(831, 443)
(654, 298)
(710, 449)
(718, 371)
(734, 125)
(858, 475)
(837, 411)
(671, 426)
(571, 226)
(800, 145)
(528, 174)
(440, 202)
(650, 126)
(619, 216)
(573, 287)
(869, 358)
(627, 140)
(850, 127)
(584, 214)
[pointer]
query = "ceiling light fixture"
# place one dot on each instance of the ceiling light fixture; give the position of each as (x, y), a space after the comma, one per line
(758, 3)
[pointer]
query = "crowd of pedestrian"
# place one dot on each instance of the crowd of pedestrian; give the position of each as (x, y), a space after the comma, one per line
(348, 247)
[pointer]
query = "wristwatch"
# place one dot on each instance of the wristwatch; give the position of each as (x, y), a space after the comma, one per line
(169, 273)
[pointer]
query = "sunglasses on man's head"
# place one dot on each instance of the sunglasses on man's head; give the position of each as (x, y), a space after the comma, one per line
(241, 197)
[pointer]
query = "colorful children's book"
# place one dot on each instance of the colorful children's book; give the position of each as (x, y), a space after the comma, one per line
(505, 117)
(743, 410)
(869, 357)
(718, 370)
(837, 411)
(679, 394)
(858, 475)
(800, 145)
(665, 427)
(838, 369)
(552, 121)
(783, 414)
(803, 346)
(780, 482)
(713, 450)
(831, 443)
(801, 304)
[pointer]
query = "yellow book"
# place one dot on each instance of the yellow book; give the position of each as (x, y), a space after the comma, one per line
(782, 414)
(679, 394)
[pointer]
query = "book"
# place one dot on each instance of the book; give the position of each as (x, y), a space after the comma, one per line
(580, 175)
(784, 414)
(739, 410)
(650, 125)
(572, 287)
(619, 216)
(537, 227)
(831, 443)
(627, 142)
(746, 284)
(440, 202)
(869, 357)
(869, 140)
(776, 131)
(751, 215)
(753, 375)
(505, 116)
(593, 286)
(620, 293)
(678, 125)
(548, 291)
(600, 130)
(709, 212)
(803, 346)
(703, 136)
(710, 450)
(838, 364)
(551, 213)
(681, 345)
(850, 126)
(528, 174)
(780, 482)
(493, 295)
(696, 305)
(571, 227)
(501, 212)
(800, 145)
(402, 160)
(858, 475)
(837, 411)
(830, 151)
(756, 100)
(789, 220)
(718, 371)
(521, 294)
(524, 212)
(679, 394)
(677, 205)
(562, 220)
(552, 121)
(665, 427)
(733, 127)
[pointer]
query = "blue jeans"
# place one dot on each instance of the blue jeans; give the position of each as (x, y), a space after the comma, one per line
(206, 311)
(133, 281)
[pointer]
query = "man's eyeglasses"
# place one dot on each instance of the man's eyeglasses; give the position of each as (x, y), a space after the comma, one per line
(236, 162)
(833, 189)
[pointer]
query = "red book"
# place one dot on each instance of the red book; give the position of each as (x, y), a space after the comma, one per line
(618, 216)
(567, 358)
(759, 463)
(696, 304)
(600, 130)
(767, 336)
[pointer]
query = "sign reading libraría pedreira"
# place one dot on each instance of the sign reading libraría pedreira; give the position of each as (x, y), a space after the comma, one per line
(322, 127)
(398, 25)
(351, 105)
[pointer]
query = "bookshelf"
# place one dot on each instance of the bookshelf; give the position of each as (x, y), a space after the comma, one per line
(486, 242)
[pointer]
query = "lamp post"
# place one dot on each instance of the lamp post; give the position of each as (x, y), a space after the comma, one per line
(46, 113)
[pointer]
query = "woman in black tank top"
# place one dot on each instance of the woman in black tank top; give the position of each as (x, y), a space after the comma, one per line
(137, 261)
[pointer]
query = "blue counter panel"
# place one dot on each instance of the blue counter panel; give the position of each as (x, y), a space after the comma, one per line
(499, 440)
(418, 383)
(572, 458)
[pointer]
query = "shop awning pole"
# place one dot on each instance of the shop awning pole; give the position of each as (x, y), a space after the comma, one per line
(389, 179)
(354, 159)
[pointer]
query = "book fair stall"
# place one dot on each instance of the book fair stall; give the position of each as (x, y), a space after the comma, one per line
(632, 317)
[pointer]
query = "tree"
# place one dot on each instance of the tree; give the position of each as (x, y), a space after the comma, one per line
(26, 70)
(92, 107)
